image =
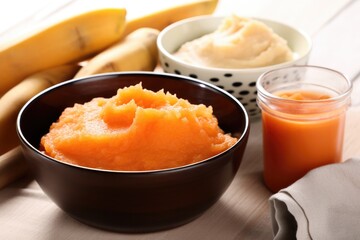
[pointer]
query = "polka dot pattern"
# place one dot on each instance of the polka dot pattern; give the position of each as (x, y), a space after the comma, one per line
(244, 91)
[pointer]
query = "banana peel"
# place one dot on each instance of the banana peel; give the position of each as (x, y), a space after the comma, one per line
(67, 41)
(16, 97)
(136, 52)
(162, 17)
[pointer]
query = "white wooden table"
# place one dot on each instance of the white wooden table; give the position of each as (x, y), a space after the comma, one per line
(243, 211)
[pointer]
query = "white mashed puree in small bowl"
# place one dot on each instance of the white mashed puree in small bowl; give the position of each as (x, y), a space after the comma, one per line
(238, 42)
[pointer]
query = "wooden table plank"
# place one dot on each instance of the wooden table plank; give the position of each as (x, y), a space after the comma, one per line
(308, 15)
(337, 45)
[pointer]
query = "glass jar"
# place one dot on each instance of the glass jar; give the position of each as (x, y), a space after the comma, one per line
(303, 118)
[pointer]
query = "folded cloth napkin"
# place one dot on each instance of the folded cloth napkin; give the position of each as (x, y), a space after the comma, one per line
(324, 204)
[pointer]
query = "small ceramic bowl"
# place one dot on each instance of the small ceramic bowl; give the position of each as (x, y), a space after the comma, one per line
(241, 83)
(130, 201)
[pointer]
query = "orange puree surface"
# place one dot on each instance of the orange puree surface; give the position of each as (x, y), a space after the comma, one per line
(293, 146)
(136, 130)
(303, 95)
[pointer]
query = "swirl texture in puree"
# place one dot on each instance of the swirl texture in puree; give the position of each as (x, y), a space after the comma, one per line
(136, 130)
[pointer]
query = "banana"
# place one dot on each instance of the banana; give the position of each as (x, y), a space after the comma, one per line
(70, 40)
(136, 52)
(13, 100)
(161, 18)
(12, 166)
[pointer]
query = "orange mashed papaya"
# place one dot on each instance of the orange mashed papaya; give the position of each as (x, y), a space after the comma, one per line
(136, 130)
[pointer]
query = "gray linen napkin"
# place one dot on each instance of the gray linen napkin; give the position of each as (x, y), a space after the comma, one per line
(324, 204)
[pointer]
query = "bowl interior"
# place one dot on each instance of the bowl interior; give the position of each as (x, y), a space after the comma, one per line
(39, 113)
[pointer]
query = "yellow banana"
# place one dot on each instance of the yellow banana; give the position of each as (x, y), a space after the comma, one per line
(13, 100)
(70, 40)
(161, 18)
(136, 52)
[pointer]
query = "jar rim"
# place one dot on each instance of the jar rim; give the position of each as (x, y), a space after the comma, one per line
(268, 95)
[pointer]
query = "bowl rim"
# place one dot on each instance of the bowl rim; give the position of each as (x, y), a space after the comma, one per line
(127, 73)
(191, 20)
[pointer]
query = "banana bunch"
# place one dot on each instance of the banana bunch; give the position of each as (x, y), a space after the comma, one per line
(96, 41)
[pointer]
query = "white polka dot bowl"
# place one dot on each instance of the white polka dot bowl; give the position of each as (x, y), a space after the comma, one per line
(241, 83)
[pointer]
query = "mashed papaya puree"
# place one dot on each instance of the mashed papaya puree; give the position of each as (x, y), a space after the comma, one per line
(293, 146)
(135, 130)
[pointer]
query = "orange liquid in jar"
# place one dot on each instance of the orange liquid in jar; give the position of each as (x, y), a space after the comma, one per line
(294, 146)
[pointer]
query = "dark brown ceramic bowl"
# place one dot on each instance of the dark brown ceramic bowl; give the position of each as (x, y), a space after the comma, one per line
(132, 201)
